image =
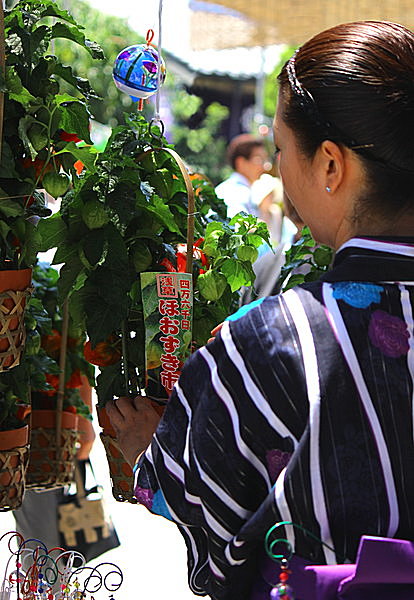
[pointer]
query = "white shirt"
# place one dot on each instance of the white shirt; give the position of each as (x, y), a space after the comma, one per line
(236, 193)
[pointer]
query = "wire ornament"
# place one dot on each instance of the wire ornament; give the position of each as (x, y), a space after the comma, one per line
(280, 550)
(55, 574)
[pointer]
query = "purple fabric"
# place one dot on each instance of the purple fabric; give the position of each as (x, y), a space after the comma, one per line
(384, 570)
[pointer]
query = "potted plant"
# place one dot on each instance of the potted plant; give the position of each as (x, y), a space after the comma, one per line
(128, 215)
(38, 148)
(47, 467)
(14, 438)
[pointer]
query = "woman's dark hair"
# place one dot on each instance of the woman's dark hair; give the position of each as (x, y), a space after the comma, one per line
(354, 84)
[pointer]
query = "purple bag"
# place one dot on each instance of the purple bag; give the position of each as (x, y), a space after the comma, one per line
(384, 569)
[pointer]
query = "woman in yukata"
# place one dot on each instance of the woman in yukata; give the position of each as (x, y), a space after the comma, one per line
(302, 410)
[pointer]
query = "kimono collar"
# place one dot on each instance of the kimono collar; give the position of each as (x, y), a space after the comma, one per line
(385, 259)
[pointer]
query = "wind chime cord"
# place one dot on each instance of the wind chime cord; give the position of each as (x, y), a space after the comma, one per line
(157, 118)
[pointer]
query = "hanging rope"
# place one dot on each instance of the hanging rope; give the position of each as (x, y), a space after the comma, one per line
(157, 118)
(61, 387)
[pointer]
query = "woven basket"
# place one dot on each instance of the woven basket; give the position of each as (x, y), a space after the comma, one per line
(51, 466)
(122, 476)
(13, 465)
(14, 291)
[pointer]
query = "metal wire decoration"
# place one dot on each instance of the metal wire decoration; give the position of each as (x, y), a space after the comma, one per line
(35, 573)
(280, 550)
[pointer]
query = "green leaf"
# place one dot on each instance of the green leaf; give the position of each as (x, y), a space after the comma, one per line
(214, 226)
(94, 246)
(163, 212)
(211, 285)
(60, 30)
(323, 256)
(65, 253)
(95, 50)
(117, 257)
(293, 281)
(247, 253)
(15, 89)
(110, 383)
(65, 98)
(254, 239)
(52, 230)
(4, 229)
(103, 318)
(7, 165)
(75, 119)
(31, 246)
(66, 73)
(68, 275)
(236, 274)
(87, 155)
(24, 125)
(50, 9)
(10, 207)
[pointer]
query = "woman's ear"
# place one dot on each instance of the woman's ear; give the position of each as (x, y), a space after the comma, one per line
(332, 165)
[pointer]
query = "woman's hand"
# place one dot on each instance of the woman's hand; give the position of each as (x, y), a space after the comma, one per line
(214, 332)
(135, 421)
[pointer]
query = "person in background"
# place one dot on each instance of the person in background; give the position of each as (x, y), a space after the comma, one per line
(268, 266)
(267, 196)
(301, 411)
(248, 158)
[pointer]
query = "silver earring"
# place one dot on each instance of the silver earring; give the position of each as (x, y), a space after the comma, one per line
(328, 189)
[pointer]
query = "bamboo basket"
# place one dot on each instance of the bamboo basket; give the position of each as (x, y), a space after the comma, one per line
(54, 436)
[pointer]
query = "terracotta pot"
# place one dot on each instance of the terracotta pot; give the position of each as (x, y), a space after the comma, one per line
(12, 316)
(48, 466)
(122, 476)
(13, 463)
(104, 421)
(14, 438)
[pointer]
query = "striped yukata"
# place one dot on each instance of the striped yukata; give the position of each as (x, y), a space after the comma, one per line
(302, 410)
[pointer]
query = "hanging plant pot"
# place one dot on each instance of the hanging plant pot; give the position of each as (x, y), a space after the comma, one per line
(14, 291)
(13, 464)
(50, 464)
(122, 476)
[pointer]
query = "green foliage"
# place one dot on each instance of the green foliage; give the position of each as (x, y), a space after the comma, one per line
(34, 381)
(127, 215)
(202, 147)
(34, 154)
(271, 85)
(305, 252)
(231, 249)
(8, 408)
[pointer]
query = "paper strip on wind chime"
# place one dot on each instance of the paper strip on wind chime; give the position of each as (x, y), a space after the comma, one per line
(167, 300)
